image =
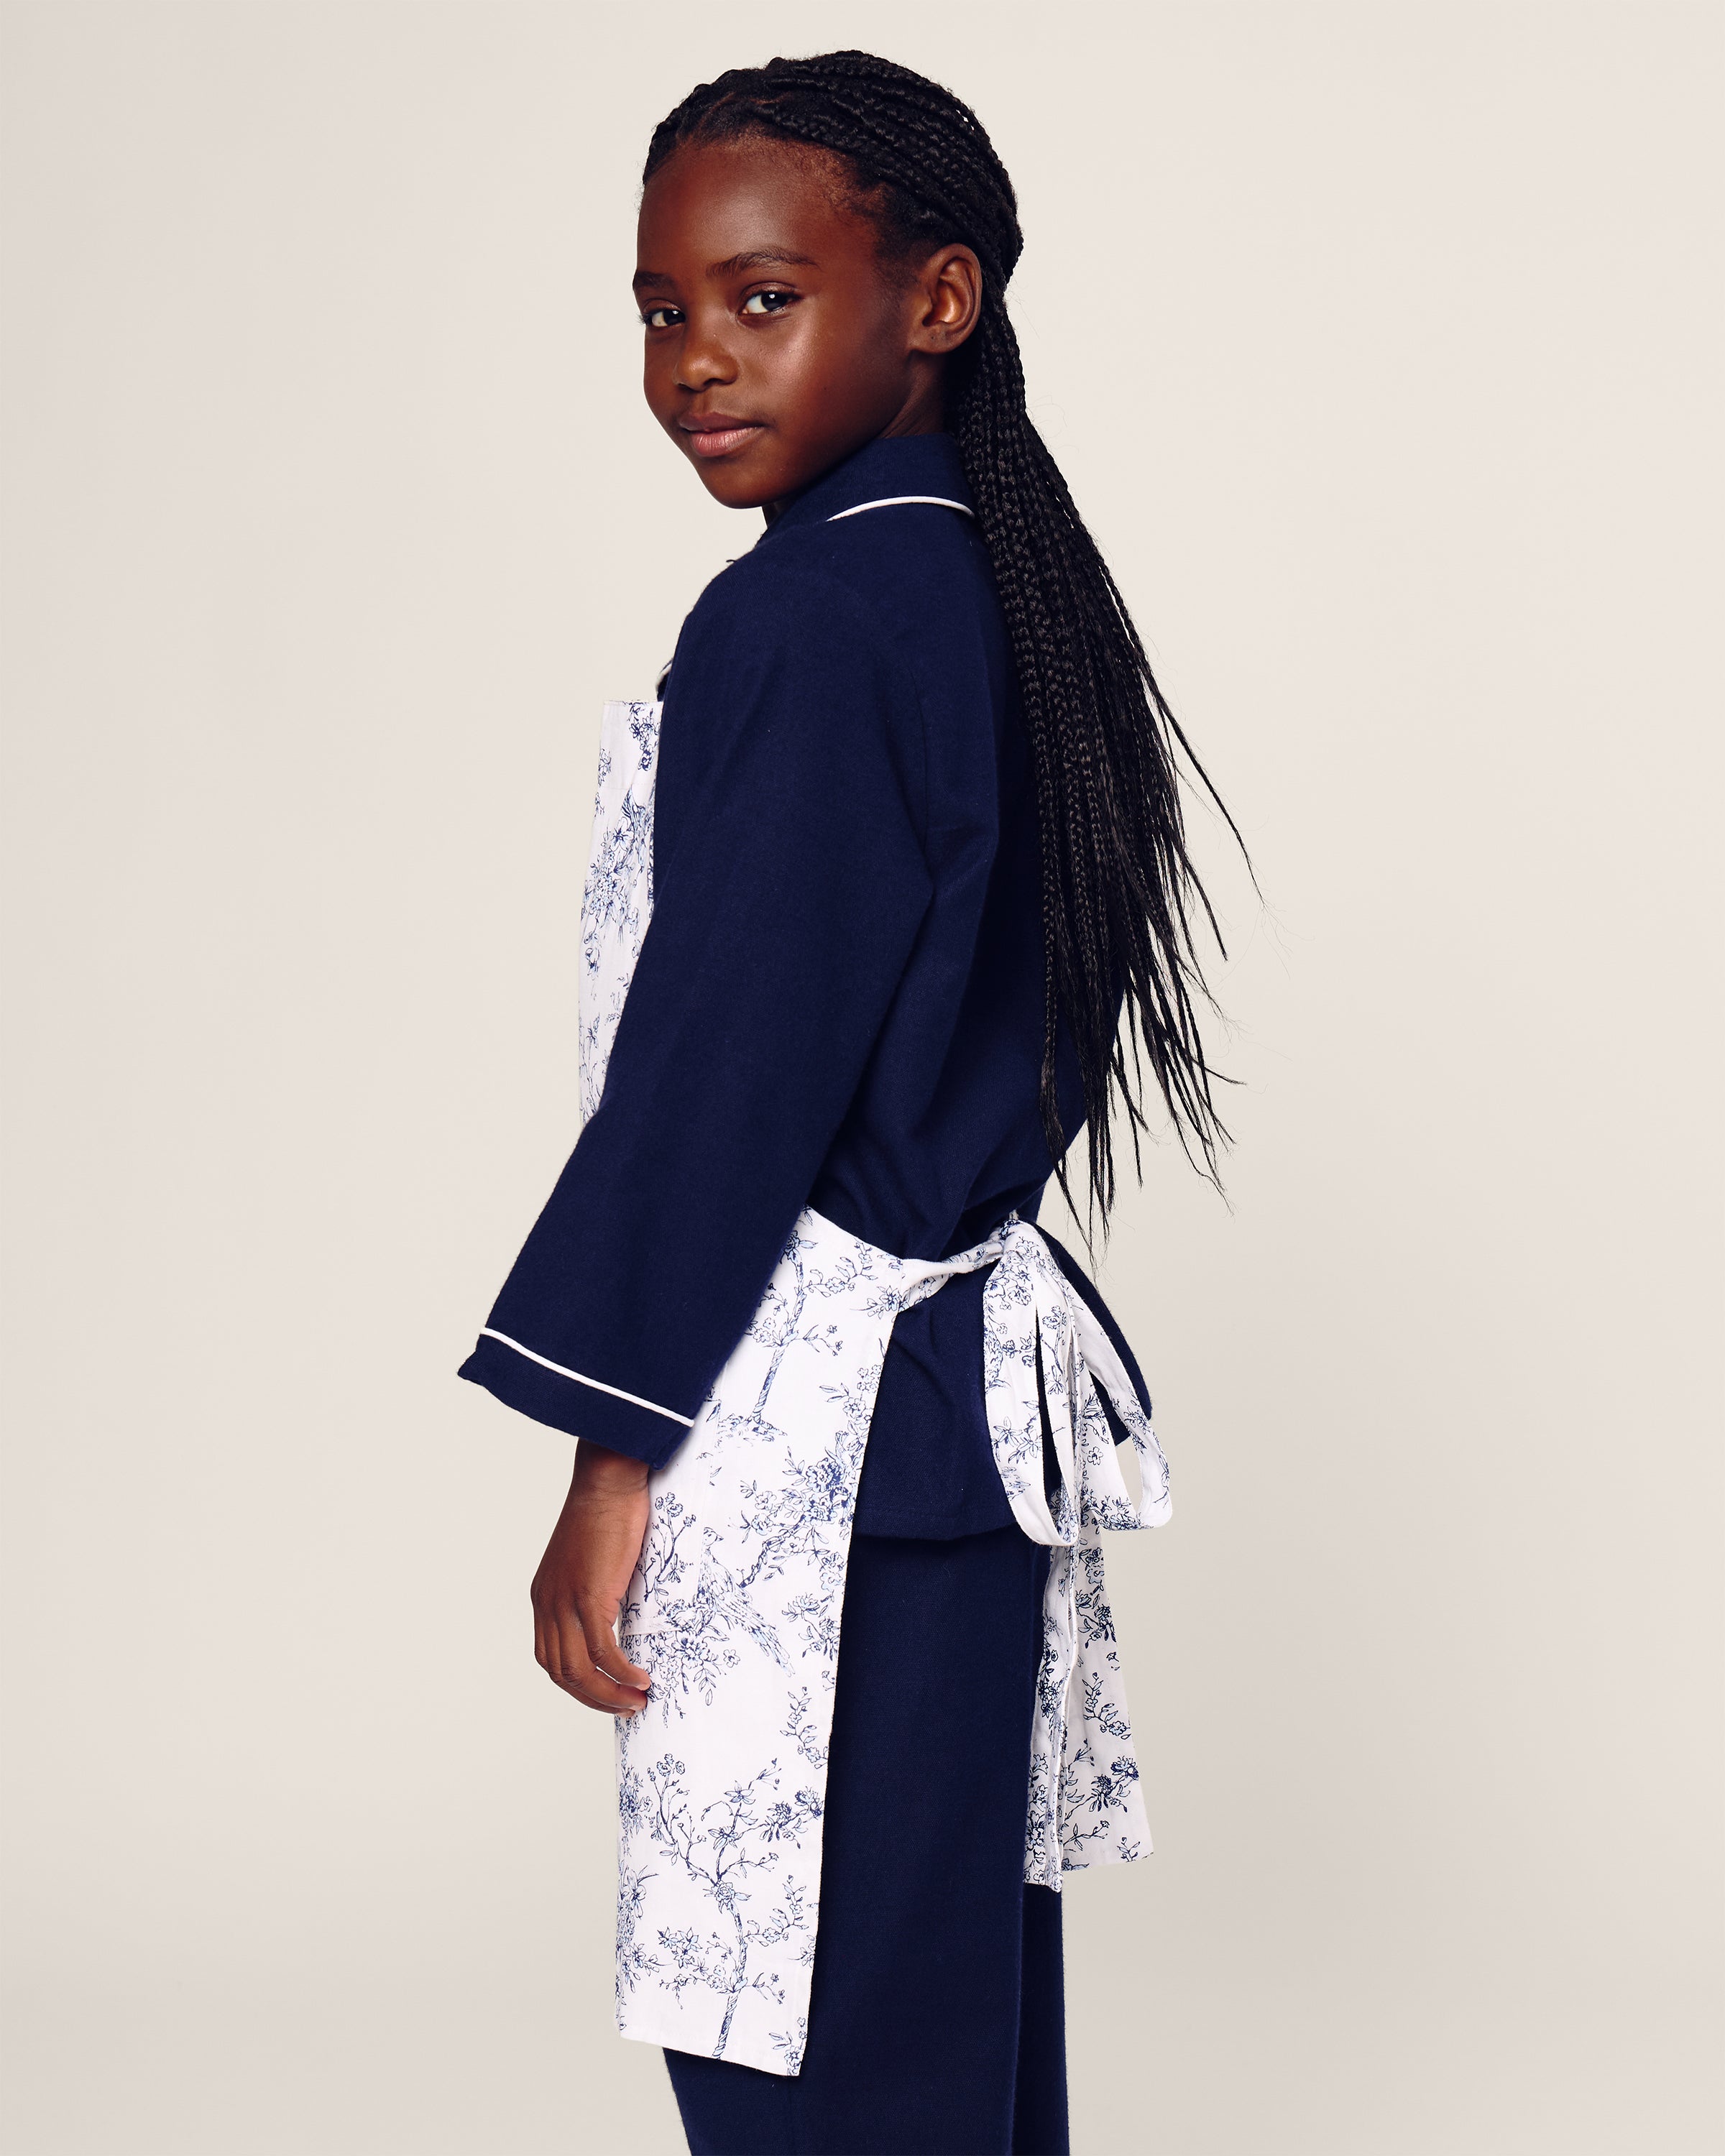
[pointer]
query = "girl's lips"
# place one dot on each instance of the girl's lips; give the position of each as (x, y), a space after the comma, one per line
(720, 441)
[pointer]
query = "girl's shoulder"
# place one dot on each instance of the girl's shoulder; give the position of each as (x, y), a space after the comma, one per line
(891, 643)
(901, 581)
(787, 604)
(780, 639)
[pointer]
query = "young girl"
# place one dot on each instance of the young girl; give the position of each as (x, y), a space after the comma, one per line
(907, 830)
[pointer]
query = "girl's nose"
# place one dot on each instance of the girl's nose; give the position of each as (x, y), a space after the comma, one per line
(704, 361)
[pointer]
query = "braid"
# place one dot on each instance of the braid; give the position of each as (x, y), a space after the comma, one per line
(1119, 890)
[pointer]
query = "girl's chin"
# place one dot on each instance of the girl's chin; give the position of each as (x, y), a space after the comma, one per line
(728, 479)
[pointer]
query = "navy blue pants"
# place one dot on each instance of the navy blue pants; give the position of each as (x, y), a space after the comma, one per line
(937, 2022)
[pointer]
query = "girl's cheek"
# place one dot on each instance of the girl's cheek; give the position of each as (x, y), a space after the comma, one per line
(658, 374)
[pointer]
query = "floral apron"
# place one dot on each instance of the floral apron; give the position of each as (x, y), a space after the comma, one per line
(735, 1607)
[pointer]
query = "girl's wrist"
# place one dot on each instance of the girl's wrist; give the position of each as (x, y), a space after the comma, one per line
(598, 1468)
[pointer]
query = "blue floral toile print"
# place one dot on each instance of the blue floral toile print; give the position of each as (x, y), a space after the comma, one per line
(617, 898)
(1043, 1349)
(735, 1605)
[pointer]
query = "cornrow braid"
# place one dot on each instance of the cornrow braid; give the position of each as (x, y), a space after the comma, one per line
(1120, 895)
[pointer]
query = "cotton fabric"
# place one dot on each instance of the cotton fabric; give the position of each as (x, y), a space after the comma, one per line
(735, 1607)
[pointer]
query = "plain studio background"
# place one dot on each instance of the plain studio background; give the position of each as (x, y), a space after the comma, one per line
(1381, 346)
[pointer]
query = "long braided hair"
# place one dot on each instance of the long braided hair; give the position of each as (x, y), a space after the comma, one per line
(1119, 890)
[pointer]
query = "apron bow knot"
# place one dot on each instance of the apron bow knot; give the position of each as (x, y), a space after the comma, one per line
(1048, 1363)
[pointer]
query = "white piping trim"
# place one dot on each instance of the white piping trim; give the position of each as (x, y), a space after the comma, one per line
(617, 1393)
(899, 501)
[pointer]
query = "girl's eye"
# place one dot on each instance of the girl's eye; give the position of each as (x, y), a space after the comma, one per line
(661, 318)
(769, 303)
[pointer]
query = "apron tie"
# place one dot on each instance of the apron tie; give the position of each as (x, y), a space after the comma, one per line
(1044, 1348)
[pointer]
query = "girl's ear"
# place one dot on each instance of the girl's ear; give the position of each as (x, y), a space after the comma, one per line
(947, 299)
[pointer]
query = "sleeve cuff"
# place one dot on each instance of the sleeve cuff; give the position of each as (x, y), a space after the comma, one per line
(582, 1407)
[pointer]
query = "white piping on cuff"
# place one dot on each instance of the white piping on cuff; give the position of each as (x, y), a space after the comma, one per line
(899, 501)
(617, 1393)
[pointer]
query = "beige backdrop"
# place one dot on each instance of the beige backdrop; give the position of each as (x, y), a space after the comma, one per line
(1382, 345)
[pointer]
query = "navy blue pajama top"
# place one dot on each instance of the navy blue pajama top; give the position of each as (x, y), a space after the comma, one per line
(838, 1002)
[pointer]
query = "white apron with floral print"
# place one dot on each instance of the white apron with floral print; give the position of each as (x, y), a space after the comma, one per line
(736, 1604)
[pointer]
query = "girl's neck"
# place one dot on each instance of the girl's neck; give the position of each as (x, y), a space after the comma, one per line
(925, 416)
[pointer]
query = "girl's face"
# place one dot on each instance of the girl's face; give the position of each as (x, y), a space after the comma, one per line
(778, 342)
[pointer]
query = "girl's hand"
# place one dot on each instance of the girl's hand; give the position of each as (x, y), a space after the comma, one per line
(583, 1576)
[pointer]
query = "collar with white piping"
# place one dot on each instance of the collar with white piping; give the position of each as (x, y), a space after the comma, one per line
(902, 500)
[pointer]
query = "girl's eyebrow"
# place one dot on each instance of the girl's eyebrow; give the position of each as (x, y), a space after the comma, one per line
(760, 257)
(756, 258)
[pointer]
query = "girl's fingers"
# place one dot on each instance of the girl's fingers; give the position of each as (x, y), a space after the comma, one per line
(609, 1658)
(547, 1639)
(580, 1580)
(578, 1676)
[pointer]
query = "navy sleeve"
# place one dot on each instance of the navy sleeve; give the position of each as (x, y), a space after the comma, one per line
(790, 882)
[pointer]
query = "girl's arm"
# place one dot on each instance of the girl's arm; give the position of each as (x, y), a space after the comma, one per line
(792, 881)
